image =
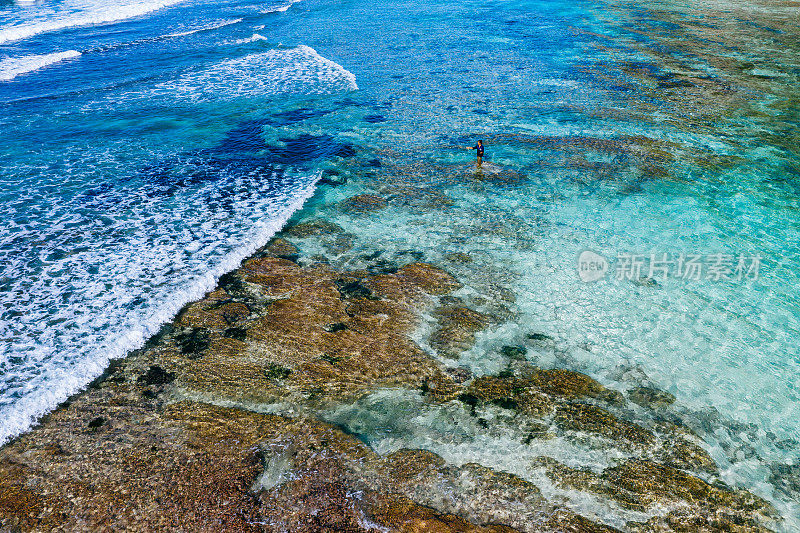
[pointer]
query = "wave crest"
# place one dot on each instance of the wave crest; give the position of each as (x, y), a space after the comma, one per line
(207, 27)
(299, 70)
(12, 67)
(99, 14)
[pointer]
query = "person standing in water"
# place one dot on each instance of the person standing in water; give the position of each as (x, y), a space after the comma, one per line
(479, 148)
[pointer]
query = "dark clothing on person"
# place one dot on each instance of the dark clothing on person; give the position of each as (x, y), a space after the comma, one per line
(479, 148)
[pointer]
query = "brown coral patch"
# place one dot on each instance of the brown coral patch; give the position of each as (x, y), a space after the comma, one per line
(456, 329)
(280, 247)
(405, 516)
(477, 494)
(594, 419)
(321, 334)
(428, 278)
(363, 203)
(312, 228)
(640, 485)
(207, 313)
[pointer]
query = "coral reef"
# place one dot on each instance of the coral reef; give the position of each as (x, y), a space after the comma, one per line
(217, 424)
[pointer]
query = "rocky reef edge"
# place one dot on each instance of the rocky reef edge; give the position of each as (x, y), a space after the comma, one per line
(221, 423)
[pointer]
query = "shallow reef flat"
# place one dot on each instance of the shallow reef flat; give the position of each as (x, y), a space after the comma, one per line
(304, 396)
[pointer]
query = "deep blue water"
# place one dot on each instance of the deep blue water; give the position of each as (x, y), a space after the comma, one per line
(147, 148)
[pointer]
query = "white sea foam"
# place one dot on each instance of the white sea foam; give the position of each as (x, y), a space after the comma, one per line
(12, 67)
(299, 70)
(75, 14)
(253, 38)
(281, 8)
(97, 302)
(205, 27)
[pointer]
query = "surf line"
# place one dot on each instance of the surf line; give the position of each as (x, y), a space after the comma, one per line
(12, 67)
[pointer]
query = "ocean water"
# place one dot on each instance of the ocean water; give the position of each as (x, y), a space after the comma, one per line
(147, 147)
(135, 173)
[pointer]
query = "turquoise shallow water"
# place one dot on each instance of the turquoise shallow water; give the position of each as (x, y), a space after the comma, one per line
(147, 149)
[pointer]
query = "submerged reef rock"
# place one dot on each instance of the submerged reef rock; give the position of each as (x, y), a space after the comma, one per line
(368, 348)
(363, 203)
(417, 197)
(280, 247)
(651, 397)
(456, 330)
(480, 494)
(429, 278)
(593, 419)
(640, 485)
(311, 228)
(223, 422)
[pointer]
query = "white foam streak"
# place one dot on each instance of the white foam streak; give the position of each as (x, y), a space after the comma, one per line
(12, 67)
(255, 37)
(99, 14)
(214, 26)
(299, 70)
(280, 9)
(46, 392)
